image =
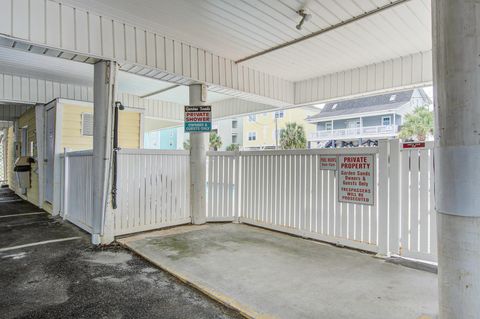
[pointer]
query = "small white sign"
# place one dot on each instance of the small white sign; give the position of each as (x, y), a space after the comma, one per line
(356, 179)
(328, 162)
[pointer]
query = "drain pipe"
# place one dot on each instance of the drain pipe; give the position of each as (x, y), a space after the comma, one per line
(118, 106)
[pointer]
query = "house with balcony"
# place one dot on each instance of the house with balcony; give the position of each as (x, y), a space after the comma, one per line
(364, 120)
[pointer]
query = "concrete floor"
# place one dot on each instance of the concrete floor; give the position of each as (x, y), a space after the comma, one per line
(72, 279)
(266, 274)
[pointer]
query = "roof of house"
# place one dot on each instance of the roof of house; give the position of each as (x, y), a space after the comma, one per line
(374, 103)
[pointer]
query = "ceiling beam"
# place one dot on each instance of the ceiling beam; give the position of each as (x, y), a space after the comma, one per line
(160, 91)
(322, 31)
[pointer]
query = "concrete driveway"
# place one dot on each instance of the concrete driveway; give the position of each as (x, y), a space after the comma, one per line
(43, 275)
(267, 274)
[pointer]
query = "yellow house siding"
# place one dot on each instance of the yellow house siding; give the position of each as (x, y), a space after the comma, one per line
(129, 129)
(264, 126)
(73, 139)
(28, 119)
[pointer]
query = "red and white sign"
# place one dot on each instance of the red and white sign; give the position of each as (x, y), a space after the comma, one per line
(356, 179)
(414, 145)
(328, 162)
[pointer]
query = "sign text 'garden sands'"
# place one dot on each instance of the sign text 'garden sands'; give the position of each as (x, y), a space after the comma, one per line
(356, 182)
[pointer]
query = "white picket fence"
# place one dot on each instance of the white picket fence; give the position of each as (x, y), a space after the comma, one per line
(77, 191)
(153, 190)
(281, 190)
(288, 192)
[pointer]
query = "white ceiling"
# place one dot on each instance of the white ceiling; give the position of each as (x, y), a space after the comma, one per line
(61, 70)
(45, 67)
(238, 28)
(141, 85)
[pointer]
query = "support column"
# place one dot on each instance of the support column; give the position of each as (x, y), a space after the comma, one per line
(103, 100)
(198, 162)
(456, 51)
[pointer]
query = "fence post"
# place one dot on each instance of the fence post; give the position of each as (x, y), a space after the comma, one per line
(237, 188)
(394, 200)
(65, 183)
(383, 197)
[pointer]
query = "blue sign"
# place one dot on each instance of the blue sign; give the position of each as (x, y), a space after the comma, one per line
(198, 118)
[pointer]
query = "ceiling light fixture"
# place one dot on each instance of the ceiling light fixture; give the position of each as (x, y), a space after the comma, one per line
(305, 17)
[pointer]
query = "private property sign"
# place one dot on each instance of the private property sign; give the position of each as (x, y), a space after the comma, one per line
(356, 182)
(328, 162)
(198, 118)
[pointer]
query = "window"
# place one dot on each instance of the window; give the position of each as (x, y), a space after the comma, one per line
(386, 120)
(328, 126)
(252, 136)
(234, 124)
(252, 118)
(279, 114)
(334, 106)
(234, 139)
(393, 97)
(87, 124)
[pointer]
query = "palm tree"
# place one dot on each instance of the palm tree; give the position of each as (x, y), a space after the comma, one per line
(233, 147)
(417, 124)
(215, 141)
(293, 137)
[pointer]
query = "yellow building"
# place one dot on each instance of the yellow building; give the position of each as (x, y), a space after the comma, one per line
(259, 129)
(66, 124)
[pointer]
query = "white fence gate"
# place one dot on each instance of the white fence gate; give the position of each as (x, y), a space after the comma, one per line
(153, 190)
(77, 192)
(222, 186)
(418, 219)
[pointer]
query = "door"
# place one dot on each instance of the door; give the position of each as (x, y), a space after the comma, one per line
(49, 153)
(353, 127)
(353, 123)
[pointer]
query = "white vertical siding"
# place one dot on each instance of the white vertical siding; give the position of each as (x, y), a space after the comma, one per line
(408, 71)
(30, 90)
(174, 111)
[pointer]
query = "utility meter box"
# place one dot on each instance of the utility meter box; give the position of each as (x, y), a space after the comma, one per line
(22, 169)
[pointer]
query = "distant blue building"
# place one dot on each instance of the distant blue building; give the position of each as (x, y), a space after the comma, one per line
(163, 139)
(363, 119)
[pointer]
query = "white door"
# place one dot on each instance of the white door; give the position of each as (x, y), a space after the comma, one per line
(49, 153)
(353, 123)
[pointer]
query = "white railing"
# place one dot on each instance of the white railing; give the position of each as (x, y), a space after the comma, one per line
(222, 191)
(153, 190)
(77, 191)
(357, 132)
